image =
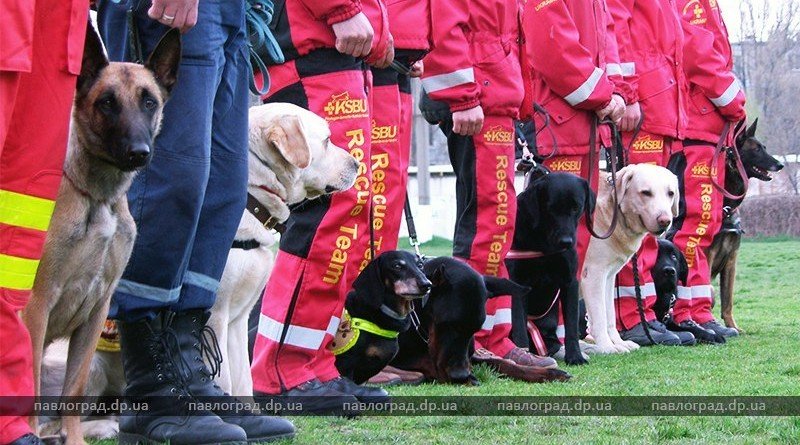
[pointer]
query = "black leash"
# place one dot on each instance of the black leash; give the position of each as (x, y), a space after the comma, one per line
(412, 233)
(639, 300)
(617, 143)
(134, 43)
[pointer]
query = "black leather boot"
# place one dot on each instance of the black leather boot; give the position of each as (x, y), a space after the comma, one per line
(701, 334)
(198, 341)
(28, 439)
(157, 376)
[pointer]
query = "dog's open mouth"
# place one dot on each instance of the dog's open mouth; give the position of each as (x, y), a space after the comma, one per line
(759, 173)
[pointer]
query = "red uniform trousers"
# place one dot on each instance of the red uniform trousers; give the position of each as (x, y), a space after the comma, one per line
(326, 242)
(486, 210)
(699, 219)
(648, 148)
(35, 108)
(390, 150)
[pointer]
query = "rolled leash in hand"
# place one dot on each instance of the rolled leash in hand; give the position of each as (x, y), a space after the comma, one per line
(262, 46)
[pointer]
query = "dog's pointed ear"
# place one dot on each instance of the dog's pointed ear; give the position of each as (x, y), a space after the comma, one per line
(286, 134)
(751, 130)
(165, 59)
(94, 59)
(683, 268)
(497, 287)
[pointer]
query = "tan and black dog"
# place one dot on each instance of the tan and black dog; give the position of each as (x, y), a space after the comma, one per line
(115, 118)
(723, 251)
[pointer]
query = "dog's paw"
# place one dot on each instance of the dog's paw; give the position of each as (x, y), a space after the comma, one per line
(604, 348)
(100, 429)
(577, 360)
(557, 375)
(632, 346)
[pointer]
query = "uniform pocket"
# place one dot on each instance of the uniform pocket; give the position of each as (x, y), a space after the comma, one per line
(498, 77)
(700, 103)
(656, 81)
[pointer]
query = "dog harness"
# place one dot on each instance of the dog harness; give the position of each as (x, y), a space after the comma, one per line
(350, 329)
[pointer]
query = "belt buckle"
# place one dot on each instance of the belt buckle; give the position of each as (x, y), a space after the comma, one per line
(271, 222)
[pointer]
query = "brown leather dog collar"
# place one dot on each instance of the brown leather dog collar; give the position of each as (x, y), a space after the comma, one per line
(263, 215)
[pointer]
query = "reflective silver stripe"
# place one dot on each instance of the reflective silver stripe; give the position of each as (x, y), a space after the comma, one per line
(701, 291)
(560, 331)
(729, 94)
(628, 68)
(148, 292)
(502, 316)
(648, 290)
(488, 324)
(448, 80)
(201, 281)
(299, 336)
(585, 90)
(614, 69)
(333, 326)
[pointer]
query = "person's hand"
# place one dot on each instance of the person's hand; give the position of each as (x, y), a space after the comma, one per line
(181, 14)
(468, 122)
(354, 36)
(633, 113)
(614, 110)
(388, 56)
(416, 69)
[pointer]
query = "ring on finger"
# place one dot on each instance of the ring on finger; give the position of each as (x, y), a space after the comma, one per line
(168, 18)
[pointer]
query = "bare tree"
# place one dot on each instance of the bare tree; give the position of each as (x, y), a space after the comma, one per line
(770, 70)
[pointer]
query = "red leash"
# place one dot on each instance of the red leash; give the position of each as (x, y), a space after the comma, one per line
(737, 157)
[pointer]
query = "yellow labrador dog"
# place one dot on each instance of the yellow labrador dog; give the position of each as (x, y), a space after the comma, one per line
(291, 159)
(648, 200)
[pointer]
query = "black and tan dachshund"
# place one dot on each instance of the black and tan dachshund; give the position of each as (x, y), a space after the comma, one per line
(670, 269)
(377, 311)
(544, 258)
(722, 252)
(442, 342)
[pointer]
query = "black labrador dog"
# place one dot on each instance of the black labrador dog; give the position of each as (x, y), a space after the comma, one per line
(377, 309)
(722, 253)
(441, 342)
(544, 257)
(669, 269)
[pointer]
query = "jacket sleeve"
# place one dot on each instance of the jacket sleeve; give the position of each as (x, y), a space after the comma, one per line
(449, 75)
(379, 18)
(564, 63)
(709, 71)
(620, 11)
(332, 11)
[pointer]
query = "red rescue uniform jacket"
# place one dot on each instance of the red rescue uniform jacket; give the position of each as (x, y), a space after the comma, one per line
(573, 69)
(475, 59)
(650, 40)
(410, 23)
(16, 36)
(715, 94)
(301, 26)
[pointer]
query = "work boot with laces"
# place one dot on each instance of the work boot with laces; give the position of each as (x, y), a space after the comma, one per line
(159, 407)
(198, 342)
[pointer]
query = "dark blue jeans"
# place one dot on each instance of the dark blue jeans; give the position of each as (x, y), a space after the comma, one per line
(188, 202)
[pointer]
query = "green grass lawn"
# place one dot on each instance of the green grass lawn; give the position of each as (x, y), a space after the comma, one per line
(764, 362)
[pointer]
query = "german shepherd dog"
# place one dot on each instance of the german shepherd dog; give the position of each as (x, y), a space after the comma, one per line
(115, 118)
(723, 251)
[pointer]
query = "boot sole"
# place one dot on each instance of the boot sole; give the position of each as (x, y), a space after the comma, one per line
(137, 439)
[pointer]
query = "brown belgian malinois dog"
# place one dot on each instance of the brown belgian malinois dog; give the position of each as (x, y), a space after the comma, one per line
(115, 118)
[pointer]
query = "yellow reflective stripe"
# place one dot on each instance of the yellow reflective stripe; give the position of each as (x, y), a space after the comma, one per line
(17, 273)
(25, 211)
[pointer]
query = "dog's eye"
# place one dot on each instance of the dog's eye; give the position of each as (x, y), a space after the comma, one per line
(106, 103)
(647, 193)
(670, 193)
(150, 104)
(397, 266)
